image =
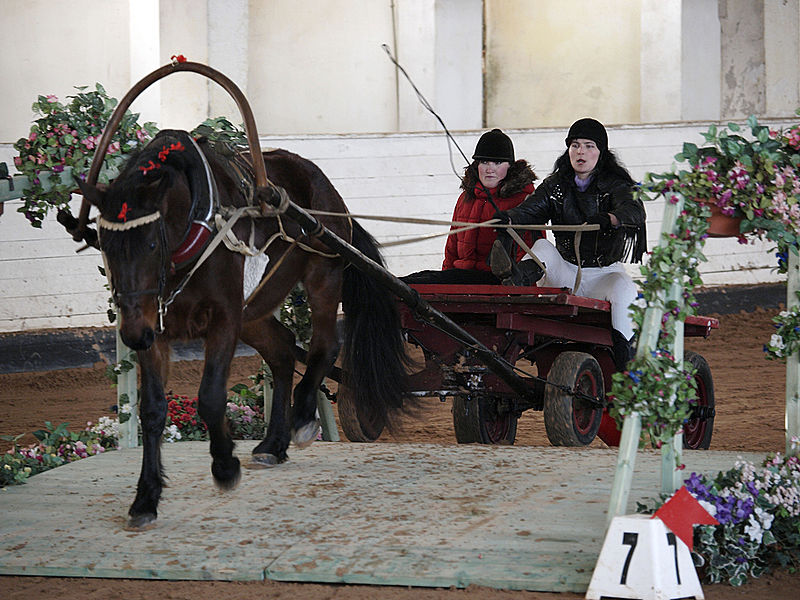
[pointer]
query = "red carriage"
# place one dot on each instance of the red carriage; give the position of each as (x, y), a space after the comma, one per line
(558, 344)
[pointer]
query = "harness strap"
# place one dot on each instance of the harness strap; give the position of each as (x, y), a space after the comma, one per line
(163, 304)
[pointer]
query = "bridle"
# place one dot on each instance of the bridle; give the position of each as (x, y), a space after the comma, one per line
(116, 294)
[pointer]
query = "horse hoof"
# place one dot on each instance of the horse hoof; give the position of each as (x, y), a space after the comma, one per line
(263, 461)
(306, 435)
(141, 522)
(226, 473)
(227, 485)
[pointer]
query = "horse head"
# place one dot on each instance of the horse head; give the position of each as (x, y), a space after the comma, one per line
(144, 216)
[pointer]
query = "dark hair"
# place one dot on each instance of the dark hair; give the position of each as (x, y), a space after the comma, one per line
(607, 163)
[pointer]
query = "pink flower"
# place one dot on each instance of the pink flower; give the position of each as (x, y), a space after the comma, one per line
(51, 98)
(113, 147)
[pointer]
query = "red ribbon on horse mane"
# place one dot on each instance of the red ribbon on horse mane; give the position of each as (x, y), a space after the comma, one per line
(162, 156)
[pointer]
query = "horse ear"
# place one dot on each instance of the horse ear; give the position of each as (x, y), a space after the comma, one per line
(93, 193)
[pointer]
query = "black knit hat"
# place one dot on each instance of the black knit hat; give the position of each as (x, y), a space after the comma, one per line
(588, 129)
(496, 146)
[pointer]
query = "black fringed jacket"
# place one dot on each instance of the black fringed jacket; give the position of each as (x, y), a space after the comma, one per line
(559, 201)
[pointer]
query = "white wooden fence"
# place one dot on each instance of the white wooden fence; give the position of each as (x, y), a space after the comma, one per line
(45, 284)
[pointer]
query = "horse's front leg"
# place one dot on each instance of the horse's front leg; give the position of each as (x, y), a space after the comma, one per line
(211, 404)
(152, 415)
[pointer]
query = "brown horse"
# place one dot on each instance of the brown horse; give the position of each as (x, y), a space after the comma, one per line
(156, 218)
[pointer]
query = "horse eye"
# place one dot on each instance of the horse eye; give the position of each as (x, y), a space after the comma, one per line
(152, 246)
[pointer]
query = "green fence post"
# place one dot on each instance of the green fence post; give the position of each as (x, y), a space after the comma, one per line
(128, 395)
(632, 425)
(326, 419)
(793, 361)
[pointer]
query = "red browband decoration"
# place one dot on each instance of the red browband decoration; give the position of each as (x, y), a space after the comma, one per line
(123, 214)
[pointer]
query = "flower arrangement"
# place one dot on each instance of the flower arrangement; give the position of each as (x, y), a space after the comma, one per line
(65, 137)
(56, 446)
(758, 509)
(183, 422)
(755, 178)
(786, 339)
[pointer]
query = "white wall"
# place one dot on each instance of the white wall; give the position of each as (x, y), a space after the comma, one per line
(44, 283)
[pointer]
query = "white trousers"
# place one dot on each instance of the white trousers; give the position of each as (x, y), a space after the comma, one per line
(611, 283)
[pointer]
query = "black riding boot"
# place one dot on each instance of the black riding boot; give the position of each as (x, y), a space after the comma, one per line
(527, 272)
(622, 349)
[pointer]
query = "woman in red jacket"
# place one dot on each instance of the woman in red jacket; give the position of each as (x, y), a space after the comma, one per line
(494, 181)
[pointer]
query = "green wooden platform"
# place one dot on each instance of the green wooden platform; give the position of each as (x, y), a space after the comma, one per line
(383, 514)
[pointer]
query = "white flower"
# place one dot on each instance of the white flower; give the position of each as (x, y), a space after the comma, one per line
(710, 508)
(776, 342)
(753, 530)
(171, 434)
(765, 517)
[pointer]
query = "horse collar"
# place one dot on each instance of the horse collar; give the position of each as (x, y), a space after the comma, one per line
(204, 204)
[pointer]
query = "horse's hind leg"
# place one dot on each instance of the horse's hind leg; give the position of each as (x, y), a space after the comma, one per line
(275, 344)
(152, 414)
(324, 285)
(212, 402)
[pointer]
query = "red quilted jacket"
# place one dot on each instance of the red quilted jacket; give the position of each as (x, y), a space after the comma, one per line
(470, 249)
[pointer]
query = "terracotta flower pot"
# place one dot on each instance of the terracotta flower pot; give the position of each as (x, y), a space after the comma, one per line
(721, 225)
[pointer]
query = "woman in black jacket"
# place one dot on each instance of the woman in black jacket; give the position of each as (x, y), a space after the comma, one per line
(587, 186)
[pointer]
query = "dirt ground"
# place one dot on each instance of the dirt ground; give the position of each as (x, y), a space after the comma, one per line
(750, 395)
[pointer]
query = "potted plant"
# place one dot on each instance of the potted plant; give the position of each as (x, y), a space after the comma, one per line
(61, 144)
(753, 178)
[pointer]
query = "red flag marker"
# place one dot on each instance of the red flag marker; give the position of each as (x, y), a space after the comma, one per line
(681, 513)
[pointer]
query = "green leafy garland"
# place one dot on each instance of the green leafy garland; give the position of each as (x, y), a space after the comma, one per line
(656, 386)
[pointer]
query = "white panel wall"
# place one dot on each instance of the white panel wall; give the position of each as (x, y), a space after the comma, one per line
(44, 284)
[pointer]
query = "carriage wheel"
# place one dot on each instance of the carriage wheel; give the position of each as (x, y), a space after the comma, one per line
(357, 426)
(697, 432)
(483, 420)
(568, 420)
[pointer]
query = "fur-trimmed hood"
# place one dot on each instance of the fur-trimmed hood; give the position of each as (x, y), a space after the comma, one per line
(520, 174)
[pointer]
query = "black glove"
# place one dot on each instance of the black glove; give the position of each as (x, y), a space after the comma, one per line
(502, 218)
(602, 219)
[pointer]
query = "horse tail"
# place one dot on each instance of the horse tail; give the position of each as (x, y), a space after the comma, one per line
(374, 358)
